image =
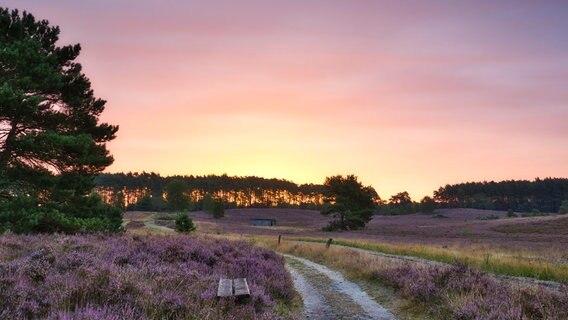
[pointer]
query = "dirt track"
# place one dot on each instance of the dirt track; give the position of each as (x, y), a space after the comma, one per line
(327, 295)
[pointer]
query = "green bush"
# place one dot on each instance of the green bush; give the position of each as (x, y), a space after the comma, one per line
(511, 213)
(218, 209)
(21, 214)
(184, 223)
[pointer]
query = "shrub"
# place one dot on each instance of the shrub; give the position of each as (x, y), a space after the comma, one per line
(184, 223)
(218, 209)
(22, 215)
(511, 213)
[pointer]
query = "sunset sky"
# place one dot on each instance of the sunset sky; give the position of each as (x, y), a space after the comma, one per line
(407, 95)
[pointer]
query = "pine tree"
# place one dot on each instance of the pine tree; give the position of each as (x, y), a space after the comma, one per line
(51, 142)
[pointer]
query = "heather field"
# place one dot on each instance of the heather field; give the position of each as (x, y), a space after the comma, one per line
(422, 290)
(136, 277)
(447, 227)
(531, 247)
(151, 273)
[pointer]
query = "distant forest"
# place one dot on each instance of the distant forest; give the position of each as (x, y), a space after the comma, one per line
(145, 191)
(545, 195)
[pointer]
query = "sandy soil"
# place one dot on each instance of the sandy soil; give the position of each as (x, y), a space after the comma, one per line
(327, 295)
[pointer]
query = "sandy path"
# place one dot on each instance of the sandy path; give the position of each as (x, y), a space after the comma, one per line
(152, 225)
(327, 295)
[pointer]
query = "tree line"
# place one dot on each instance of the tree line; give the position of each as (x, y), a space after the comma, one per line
(549, 195)
(545, 195)
(146, 191)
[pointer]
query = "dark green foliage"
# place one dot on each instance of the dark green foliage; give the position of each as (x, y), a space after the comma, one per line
(51, 142)
(545, 195)
(184, 223)
(144, 204)
(349, 202)
(22, 215)
(19, 215)
(511, 213)
(427, 205)
(401, 203)
(118, 200)
(176, 196)
(149, 203)
(208, 203)
(218, 209)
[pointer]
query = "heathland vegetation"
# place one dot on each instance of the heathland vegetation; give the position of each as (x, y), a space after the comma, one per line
(135, 277)
(435, 291)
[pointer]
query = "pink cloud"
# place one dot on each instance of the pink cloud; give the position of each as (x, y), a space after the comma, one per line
(408, 95)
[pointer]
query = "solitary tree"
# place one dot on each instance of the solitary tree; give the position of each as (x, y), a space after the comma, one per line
(184, 223)
(351, 203)
(51, 142)
(176, 196)
(401, 203)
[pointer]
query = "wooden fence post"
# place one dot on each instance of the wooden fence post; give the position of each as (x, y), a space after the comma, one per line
(279, 238)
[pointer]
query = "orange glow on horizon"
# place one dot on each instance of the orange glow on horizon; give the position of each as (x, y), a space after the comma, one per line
(407, 96)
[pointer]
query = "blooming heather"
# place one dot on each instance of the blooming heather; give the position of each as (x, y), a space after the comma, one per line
(460, 292)
(124, 277)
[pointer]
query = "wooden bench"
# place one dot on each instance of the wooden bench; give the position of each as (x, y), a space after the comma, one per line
(237, 287)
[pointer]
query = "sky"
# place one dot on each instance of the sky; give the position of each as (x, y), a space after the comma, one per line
(407, 95)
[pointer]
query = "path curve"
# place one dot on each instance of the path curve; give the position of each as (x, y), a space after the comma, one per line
(151, 224)
(328, 295)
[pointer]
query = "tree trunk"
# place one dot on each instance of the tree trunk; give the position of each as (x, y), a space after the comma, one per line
(5, 154)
